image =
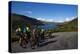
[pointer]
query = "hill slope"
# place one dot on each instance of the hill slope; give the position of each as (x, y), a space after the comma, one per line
(17, 19)
(68, 26)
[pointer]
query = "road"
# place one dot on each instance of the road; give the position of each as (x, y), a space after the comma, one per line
(60, 41)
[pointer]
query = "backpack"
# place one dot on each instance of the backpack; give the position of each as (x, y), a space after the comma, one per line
(24, 29)
(27, 29)
(19, 29)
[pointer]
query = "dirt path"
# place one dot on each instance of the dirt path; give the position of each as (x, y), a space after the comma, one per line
(61, 40)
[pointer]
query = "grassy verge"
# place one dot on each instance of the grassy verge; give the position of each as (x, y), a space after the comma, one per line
(14, 37)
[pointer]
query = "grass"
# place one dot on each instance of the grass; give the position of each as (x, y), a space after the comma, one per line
(14, 37)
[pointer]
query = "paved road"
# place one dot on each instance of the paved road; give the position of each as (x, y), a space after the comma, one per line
(61, 40)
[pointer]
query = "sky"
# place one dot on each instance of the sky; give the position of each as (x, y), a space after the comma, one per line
(45, 11)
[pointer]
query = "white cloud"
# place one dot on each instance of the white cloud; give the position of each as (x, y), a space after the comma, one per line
(41, 19)
(29, 12)
(60, 21)
(65, 20)
(50, 20)
(47, 20)
(69, 18)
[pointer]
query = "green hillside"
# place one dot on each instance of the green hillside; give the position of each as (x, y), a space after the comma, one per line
(17, 19)
(68, 26)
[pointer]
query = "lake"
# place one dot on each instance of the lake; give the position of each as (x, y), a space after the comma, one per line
(47, 26)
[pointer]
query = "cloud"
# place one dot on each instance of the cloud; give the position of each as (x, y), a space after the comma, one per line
(29, 12)
(60, 21)
(44, 19)
(69, 18)
(52, 20)
(41, 19)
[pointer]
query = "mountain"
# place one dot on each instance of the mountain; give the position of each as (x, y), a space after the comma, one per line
(69, 26)
(17, 19)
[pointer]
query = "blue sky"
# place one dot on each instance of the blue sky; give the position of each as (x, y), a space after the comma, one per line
(45, 12)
